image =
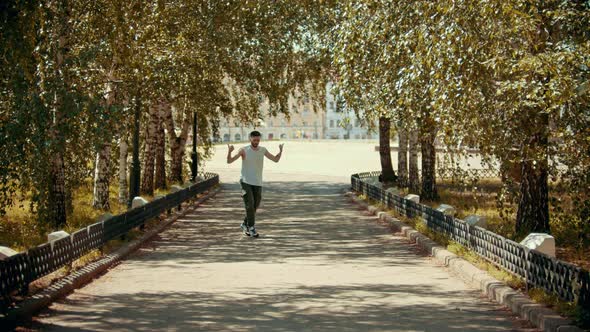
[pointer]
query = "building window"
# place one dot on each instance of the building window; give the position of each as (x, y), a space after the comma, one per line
(238, 137)
(271, 136)
(338, 123)
(226, 137)
(331, 123)
(332, 105)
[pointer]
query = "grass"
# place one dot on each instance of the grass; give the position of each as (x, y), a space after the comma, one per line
(20, 230)
(498, 273)
(481, 199)
(581, 316)
(462, 251)
(94, 255)
(482, 204)
(83, 214)
(90, 257)
(418, 224)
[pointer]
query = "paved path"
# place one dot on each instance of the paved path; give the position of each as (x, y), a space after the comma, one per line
(319, 265)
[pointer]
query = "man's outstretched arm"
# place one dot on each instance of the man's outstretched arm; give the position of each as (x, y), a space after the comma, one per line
(277, 157)
(231, 159)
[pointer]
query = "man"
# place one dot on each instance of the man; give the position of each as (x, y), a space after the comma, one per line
(251, 178)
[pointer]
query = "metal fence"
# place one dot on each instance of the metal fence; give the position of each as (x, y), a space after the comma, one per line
(569, 282)
(16, 272)
(453, 173)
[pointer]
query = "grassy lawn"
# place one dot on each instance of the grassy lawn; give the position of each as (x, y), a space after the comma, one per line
(20, 230)
(567, 309)
(482, 200)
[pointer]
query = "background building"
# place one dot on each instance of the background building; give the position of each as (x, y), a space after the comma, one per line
(304, 123)
(335, 121)
(341, 122)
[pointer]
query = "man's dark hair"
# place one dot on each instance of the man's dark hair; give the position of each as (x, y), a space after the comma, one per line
(255, 133)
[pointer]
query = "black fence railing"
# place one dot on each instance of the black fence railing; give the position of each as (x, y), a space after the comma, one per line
(18, 271)
(568, 281)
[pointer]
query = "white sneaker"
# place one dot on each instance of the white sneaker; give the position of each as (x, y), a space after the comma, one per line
(245, 229)
(253, 232)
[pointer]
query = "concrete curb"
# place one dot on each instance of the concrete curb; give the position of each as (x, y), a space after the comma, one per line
(26, 309)
(539, 315)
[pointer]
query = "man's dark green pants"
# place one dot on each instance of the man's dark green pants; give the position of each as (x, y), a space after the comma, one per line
(252, 196)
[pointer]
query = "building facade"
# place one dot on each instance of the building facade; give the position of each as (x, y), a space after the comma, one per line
(334, 121)
(342, 122)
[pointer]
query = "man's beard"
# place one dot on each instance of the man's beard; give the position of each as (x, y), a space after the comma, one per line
(254, 144)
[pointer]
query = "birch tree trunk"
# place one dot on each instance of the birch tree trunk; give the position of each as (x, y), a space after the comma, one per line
(57, 194)
(123, 153)
(102, 181)
(533, 206)
(388, 175)
(402, 158)
(413, 178)
(177, 143)
(428, 135)
(101, 178)
(147, 181)
(160, 157)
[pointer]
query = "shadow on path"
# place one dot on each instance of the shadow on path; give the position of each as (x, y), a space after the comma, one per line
(319, 265)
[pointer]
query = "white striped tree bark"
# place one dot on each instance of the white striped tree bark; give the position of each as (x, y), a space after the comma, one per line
(428, 131)
(57, 194)
(413, 178)
(160, 151)
(177, 143)
(101, 178)
(402, 158)
(101, 192)
(123, 153)
(147, 180)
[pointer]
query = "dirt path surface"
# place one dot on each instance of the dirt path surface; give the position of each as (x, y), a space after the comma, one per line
(319, 265)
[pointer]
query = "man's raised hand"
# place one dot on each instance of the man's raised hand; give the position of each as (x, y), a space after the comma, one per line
(230, 147)
(281, 147)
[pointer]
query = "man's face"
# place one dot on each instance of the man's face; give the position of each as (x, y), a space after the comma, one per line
(255, 140)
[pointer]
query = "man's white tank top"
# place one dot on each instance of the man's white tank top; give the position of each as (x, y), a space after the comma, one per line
(252, 165)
